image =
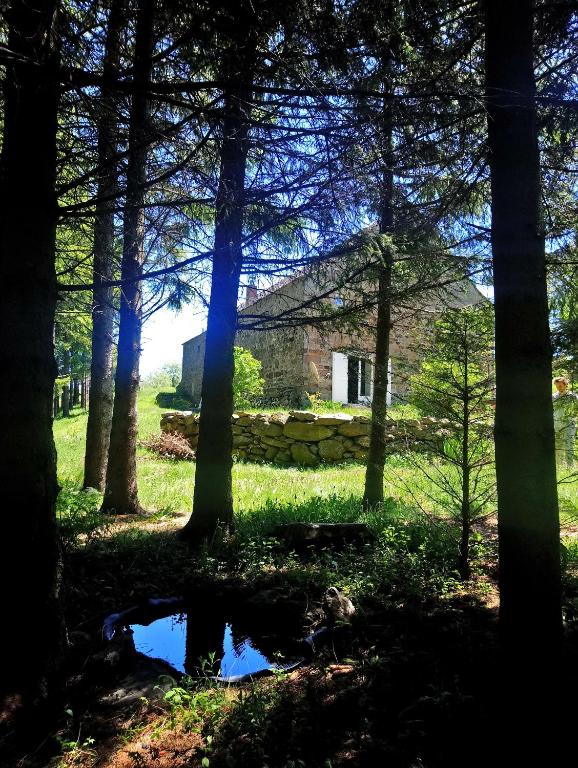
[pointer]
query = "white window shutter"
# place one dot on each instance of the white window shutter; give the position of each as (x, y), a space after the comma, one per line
(339, 377)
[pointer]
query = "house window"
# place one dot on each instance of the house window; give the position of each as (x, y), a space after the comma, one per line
(352, 379)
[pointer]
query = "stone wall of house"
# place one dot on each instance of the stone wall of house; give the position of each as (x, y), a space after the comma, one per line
(192, 371)
(280, 350)
(320, 345)
(298, 359)
(305, 438)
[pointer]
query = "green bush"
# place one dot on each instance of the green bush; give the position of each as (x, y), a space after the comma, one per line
(78, 515)
(247, 381)
(174, 400)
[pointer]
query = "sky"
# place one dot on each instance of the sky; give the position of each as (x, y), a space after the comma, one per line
(163, 335)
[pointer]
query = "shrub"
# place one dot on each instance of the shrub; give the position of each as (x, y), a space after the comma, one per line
(247, 381)
(174, 400)
(170, 445)
(318, 404)
(78, 514)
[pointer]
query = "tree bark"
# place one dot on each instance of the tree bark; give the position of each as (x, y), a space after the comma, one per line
(66, 401)
(28, 215)
(527, 497)
(466, 514)
(213, 495)
(83, 388)
(101, 374)
(373, 493)
(121, 495)
(529, 537)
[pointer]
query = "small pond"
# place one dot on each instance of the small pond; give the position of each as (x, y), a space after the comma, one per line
(214, 647)
(226, 636)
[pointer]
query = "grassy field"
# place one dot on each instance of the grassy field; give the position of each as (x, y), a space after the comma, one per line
(166, 486)
(420, 628)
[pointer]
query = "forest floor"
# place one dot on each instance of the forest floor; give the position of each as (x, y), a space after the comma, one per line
(401, 686)
(412, 671)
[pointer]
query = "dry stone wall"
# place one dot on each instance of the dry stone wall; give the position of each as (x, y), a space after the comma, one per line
(308, 439)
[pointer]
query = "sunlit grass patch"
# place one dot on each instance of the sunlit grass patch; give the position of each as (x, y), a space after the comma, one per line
(166, 485)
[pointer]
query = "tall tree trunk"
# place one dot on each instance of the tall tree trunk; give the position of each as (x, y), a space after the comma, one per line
(373, 493)
(213, 496)
(121, 496)
(100, 408)
(527, 497)
(28, 215)
(83, 386)
(529, 537)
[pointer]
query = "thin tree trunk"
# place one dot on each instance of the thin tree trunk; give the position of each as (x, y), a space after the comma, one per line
(464, 559)
(121, 495)
(373, 493)
(28, 215)
(66, 401)
(529, 536)
(83, 393)
(100, 408)
(75, 391)
(213, 496)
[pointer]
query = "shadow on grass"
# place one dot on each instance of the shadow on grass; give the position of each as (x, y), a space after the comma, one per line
(409, 557)
(122, 569)
(74, 414)
(419, 659)
(404, 690)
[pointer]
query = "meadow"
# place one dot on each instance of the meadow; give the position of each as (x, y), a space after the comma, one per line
(421, 633)
(166, 485)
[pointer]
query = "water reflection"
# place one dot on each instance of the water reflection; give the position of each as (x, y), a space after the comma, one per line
(185, 644)
(163, 639)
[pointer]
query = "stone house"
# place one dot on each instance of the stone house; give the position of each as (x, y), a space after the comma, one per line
(336, 363)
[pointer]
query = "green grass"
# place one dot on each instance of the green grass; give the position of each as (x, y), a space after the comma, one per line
(166, 485)
(405, 575)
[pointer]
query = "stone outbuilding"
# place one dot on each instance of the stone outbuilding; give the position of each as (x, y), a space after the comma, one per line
(334, 362)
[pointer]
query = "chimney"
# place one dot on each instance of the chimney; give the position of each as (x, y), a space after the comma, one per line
(252, 294)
